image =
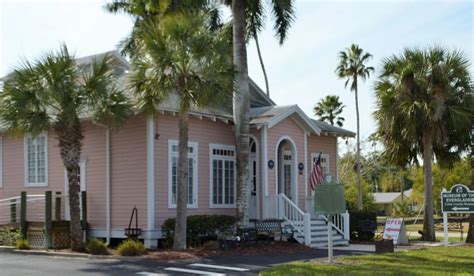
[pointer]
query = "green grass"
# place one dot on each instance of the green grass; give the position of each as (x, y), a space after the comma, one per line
(428, 261)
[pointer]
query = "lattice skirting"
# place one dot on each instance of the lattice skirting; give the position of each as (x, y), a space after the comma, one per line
(36, 237)
(61, 240)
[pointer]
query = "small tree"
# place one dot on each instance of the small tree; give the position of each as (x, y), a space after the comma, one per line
(179, 54)
(329, 109)
(53, 93)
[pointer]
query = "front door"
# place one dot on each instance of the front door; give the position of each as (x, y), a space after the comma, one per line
(82, 181)
(285, 183)
(253, 213)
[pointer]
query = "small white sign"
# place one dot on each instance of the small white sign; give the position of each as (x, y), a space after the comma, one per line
(395, 229)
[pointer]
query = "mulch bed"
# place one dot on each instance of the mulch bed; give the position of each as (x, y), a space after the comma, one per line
(212, 249)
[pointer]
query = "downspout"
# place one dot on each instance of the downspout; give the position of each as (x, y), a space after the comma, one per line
(107, 183)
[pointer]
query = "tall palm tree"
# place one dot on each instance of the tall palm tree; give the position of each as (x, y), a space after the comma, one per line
(352, 66)
(247, 16)
(53, 93)
(329, 109)
(174, 57)
(424, 109)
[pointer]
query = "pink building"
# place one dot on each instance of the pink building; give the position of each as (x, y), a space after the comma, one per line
(136, 166)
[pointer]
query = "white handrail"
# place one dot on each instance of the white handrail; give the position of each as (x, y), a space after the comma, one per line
(340, 223)
(9, 199)
(291, 213)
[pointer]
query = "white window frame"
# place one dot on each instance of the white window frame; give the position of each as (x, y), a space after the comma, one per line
(213, 157)
(25, 151)
(1, 161)
(324, 165)
(193, 155)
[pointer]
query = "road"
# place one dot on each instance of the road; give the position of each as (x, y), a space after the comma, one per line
(24, 265)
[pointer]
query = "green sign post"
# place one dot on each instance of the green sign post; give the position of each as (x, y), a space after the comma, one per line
(458, 200)
(329, 200)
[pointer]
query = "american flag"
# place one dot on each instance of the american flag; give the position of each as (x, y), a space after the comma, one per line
(316, 174)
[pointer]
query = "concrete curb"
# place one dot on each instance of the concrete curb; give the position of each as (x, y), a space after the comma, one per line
(12, 250)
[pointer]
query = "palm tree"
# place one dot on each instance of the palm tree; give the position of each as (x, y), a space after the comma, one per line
(247, 16)
(174, 57)
(424, 109)
(352, 67)
(53, 93)
(329, 109)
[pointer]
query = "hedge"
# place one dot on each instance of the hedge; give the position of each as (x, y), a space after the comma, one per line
(200, 228)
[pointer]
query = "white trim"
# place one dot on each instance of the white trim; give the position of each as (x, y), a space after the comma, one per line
(305, 171)
(150, 171)
(290, 111)
(1, 161)
(224, 158)
(294, 184)
(195, 158)
(25, 161)
(258, 184)
(265, 159)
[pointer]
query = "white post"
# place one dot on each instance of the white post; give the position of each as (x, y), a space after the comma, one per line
(281, 206)
(445, 226)
(347, 226)
(307, 228)
(329, 238)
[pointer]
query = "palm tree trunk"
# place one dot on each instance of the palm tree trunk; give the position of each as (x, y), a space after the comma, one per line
(260, 58)
(70, 145)
(428, 222)
(182, 183)
(241, 106)
(470, 232)
(359, 181)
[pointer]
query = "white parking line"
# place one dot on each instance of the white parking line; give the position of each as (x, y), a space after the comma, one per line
(192, 271)
(145, 273)
(221, 267)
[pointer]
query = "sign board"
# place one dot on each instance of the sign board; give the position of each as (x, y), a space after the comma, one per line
(329, 199)
(459, 200)
(395, 229)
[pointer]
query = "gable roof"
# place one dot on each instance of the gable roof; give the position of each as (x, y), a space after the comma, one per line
(272, 115)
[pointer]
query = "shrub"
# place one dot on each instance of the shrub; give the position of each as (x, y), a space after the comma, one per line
(200, 228)
(8, 236)
(22, 244)
(96, 247)
(363, 225)
(131, 248)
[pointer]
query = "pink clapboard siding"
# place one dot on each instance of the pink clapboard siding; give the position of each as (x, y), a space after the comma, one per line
(202, 131)
(288, 128)
(128, 173)
(325, 145)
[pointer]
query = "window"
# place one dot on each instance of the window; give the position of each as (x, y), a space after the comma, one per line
(324, 162)
(173, 152)
(36, 161)
(1, 162)
(222, 172)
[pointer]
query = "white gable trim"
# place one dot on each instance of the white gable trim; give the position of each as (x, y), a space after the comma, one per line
(309, 126)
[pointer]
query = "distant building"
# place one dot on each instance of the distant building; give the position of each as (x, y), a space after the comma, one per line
(384, 202)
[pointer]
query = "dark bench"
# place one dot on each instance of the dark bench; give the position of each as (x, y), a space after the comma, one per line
(269, 228)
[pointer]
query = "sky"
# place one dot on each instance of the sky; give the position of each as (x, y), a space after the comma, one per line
(301, 71)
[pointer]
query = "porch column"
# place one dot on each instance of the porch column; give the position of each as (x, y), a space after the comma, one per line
(264, 181)
(150, 175)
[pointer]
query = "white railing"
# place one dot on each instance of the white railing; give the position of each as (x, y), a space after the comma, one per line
(291, 213)
(340, 223)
